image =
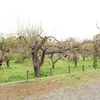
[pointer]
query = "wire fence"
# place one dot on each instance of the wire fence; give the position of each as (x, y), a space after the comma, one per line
(16, 76)
(29, 74)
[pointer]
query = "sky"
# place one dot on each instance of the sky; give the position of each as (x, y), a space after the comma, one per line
(59, 18)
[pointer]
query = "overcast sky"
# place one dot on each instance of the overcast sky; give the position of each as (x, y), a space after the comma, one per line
(60, 18)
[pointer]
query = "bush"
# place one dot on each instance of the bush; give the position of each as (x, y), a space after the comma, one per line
(18, 57)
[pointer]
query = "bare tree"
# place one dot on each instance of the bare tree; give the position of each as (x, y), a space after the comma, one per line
(92, 47)
(86, 49)
(54, 60)
(96, 44)
(96, 50)
(73, 54)
(36, 44)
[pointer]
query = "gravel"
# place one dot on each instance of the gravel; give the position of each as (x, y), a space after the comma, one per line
(90, 91)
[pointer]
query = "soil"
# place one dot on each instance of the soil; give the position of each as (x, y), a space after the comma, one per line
(50, 91)
(21, 91)
(89, 91)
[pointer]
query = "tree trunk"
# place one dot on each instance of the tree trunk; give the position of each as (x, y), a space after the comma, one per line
(53, 66)
(75, 63)
(37, 63)
(37, 72)
(84, 58)
(95, 61)
(95, 56)
(7, 63)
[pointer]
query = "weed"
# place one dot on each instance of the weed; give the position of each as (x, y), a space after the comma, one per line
(38, 89)
(9, 89)
(19, 94)
(21, 90)
(78, 77)
(17, 98)
(4, 91)
(15, 86)
(29, 93)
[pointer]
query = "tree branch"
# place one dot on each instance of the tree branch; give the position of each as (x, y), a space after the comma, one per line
(42, 58)
(97, 26)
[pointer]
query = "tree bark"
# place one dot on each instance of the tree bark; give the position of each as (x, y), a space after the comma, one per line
(75, 63)
(37, 63)
(7, 63)
(53, 66)
(83, 57)
(37, 72)
(95, 56)
(95, 61)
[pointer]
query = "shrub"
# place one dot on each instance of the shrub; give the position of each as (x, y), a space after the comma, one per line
(18, 57)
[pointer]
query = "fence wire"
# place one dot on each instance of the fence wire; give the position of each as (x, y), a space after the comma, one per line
(24, 75)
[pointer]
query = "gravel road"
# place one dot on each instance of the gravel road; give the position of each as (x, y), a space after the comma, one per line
(90, 91)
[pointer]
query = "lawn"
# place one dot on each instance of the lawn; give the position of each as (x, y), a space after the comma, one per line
(18, 71)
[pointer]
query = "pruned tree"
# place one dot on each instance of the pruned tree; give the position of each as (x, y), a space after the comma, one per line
(54, 60)
(36, 44)
(92, 47)
(74, 56)
(74, 53)
(96, 49)
(86, 48)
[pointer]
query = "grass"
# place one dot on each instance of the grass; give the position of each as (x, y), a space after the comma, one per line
(17, 71)
(61, 67)
(76, 78)
(52, 84)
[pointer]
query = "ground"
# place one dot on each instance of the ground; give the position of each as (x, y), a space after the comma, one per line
(23, 90)
(42, 86)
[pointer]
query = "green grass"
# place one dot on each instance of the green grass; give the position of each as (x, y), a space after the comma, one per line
(17, 71)
(61, 67)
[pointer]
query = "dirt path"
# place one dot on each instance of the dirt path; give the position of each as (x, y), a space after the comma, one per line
(90, 91)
